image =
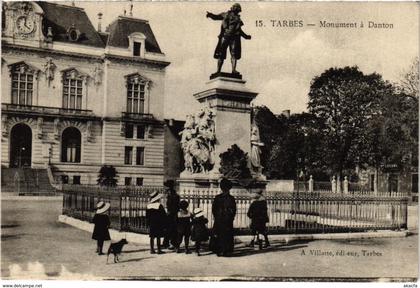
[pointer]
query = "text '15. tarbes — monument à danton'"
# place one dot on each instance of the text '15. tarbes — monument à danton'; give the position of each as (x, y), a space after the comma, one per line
(224, 119)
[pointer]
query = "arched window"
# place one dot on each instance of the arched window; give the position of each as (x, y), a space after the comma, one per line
(136, 44)
(71, 145)
(137, 93)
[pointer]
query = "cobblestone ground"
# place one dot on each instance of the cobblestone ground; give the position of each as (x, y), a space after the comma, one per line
(35, 245)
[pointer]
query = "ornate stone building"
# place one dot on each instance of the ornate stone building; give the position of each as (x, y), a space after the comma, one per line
(75, 98)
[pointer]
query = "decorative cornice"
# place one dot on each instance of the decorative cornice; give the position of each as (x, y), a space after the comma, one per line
(23, 67)
(229, 94)
(139, 121)
(137, 77)
(73, 73)
(156, 63)
(47, 112)
(48, 52)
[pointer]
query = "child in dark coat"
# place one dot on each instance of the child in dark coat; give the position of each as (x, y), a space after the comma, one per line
(183, 226)
(199, 231)
(156, 218)
(259, 217)
(102, 223)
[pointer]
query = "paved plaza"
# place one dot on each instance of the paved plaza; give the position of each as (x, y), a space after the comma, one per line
(35, 244)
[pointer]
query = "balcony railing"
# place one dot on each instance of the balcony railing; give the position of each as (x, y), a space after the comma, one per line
(137, 116)
(44, 110)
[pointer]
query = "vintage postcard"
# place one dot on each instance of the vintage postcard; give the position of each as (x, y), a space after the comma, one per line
(209, 141)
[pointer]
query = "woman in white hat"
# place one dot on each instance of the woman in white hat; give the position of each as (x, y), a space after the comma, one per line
(156, 218)
(258, 213)
(102, 223)
(199, 231)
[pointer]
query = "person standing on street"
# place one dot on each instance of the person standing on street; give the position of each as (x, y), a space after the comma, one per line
(172, 206)
(199, 230)
(224, 211)
(156, 218)
(183, 226)
(102, 223)
(259, 217)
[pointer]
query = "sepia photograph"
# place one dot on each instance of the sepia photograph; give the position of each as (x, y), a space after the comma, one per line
(209, 141)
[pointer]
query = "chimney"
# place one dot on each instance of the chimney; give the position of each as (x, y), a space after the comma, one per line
(49, 35)
(100, 22)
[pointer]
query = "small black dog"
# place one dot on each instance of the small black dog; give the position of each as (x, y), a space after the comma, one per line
(116, 248)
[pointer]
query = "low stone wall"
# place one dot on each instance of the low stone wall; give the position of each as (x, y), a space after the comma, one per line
(280, 186)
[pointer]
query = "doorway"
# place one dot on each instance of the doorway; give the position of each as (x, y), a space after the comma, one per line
(20, 146)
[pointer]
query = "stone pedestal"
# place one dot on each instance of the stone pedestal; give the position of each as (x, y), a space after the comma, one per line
(230, 100)
(227, 95)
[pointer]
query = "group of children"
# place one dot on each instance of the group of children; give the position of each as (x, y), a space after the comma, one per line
(187, 225)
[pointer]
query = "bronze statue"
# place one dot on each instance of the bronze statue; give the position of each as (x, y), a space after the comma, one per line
(230, 36)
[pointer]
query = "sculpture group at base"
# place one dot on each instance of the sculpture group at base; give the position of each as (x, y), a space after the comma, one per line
(197, 141)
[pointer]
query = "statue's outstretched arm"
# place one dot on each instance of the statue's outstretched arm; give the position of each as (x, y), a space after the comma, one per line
(215, 16)
(246, 36)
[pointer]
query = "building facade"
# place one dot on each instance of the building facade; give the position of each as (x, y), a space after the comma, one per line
(393, 179)
(75, 98)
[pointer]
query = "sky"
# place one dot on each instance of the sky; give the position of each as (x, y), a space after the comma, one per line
(278, 62)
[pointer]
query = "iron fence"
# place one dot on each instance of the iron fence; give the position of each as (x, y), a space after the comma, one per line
(322, 186)
(289, 213)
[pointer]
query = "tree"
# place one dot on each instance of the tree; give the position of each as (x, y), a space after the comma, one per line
(304, 140)
(393, 133)
(292, 144)
(107, 176)
(271, 130)
(234, 163)
(346, 100)
(409, 82)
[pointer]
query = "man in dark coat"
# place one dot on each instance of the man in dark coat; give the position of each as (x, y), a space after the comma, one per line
(230, 36)
(224, 211)
(172, 206)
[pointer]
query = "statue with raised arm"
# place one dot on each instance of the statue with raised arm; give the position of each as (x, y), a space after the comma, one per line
(230, 36)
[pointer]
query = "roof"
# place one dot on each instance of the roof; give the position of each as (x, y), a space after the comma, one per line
(122, 27)
(61, 17)
(104, 36)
